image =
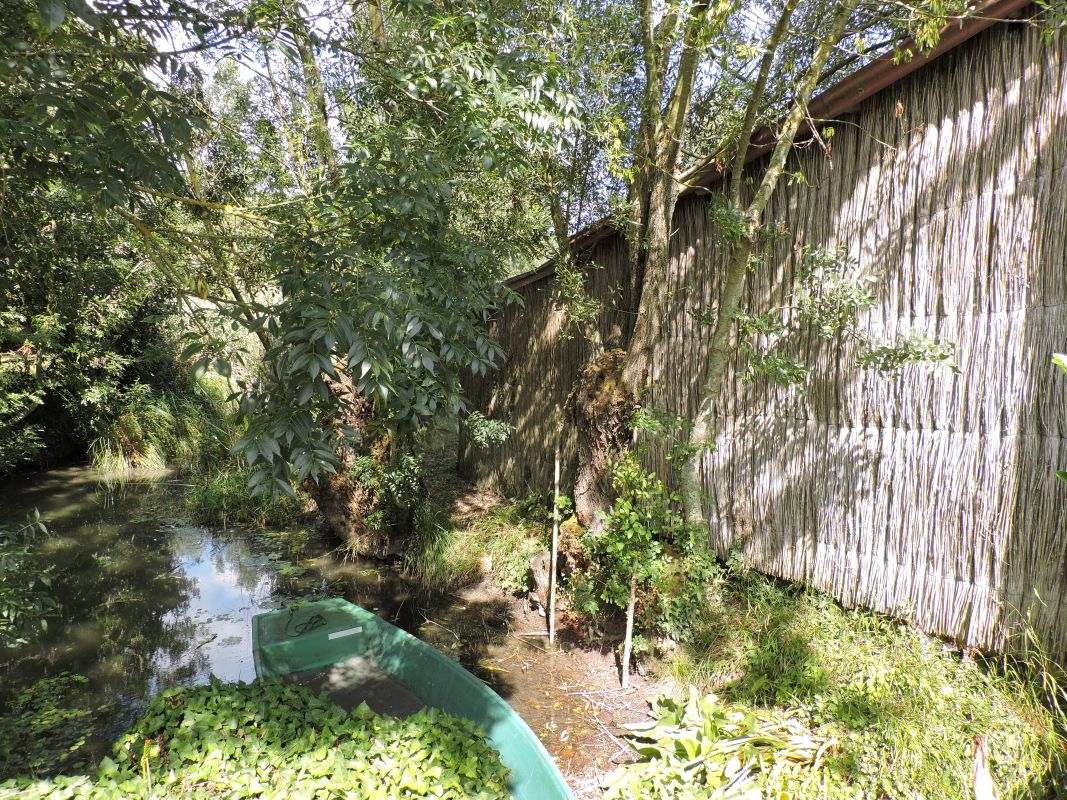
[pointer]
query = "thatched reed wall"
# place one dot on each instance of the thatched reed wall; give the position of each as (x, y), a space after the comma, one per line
(932, 494)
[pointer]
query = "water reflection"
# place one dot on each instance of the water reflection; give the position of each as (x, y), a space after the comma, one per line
(146, 603)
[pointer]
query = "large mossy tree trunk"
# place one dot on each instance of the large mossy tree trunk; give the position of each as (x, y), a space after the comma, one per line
(604, 397)
(348, 501)
(601, 406)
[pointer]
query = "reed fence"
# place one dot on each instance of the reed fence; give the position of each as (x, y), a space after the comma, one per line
(930, 495)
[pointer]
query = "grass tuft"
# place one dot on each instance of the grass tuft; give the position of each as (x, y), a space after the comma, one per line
(150, 430)
(221, 496)
(903, 708)
(448, 555)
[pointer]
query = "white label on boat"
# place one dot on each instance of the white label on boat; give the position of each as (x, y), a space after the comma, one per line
(344, 633)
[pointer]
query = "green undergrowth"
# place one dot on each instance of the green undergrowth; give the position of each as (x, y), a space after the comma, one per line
(221, 496)
(900, 710)
(497, 545)
(271, 739)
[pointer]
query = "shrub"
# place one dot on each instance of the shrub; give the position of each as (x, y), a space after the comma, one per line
(644, 535)
(500, 544)
(193, 427)
(485, 432)
(140, 435)
(23, 441)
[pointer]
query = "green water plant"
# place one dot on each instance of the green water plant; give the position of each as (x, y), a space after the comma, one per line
(46, 728)
(220, 496)
(273, 739)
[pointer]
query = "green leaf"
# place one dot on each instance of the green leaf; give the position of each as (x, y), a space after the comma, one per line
(53, 13)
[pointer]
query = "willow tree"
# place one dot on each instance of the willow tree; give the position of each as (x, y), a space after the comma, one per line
(671, 49)
(750, 222)
(740, 69)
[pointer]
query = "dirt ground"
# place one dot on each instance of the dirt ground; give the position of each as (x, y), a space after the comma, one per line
(569, 695)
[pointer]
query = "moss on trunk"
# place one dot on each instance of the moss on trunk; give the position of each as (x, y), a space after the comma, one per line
(601, 405)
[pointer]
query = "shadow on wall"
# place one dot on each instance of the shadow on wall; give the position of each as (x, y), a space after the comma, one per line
(931, 495)
(530, 389)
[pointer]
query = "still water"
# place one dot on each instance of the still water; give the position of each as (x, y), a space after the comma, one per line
(149, 601)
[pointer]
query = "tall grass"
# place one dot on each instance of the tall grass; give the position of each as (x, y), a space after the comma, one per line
(151, 429)
(140, 436)
(193, 431)
(447, 556)
(220, 496)
(903, 708)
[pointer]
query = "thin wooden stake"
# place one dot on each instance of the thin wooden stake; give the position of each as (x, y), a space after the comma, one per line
(555, 548)
(628, 642)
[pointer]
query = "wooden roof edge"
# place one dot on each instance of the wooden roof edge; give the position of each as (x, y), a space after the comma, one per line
(840, 98)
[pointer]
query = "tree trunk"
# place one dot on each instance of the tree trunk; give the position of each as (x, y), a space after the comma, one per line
(656, 245)
(377, 23)
(553, 562)
(601, 405)
(316, 95)
(346, 503)
(344, 498)
(659, 188)
(606, 391)
(292, 147)
(628, 640)
(702, 435)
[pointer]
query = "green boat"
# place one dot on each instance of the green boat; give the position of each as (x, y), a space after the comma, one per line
(355, 656)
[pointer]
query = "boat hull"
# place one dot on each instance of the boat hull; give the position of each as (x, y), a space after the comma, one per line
(327, 632)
